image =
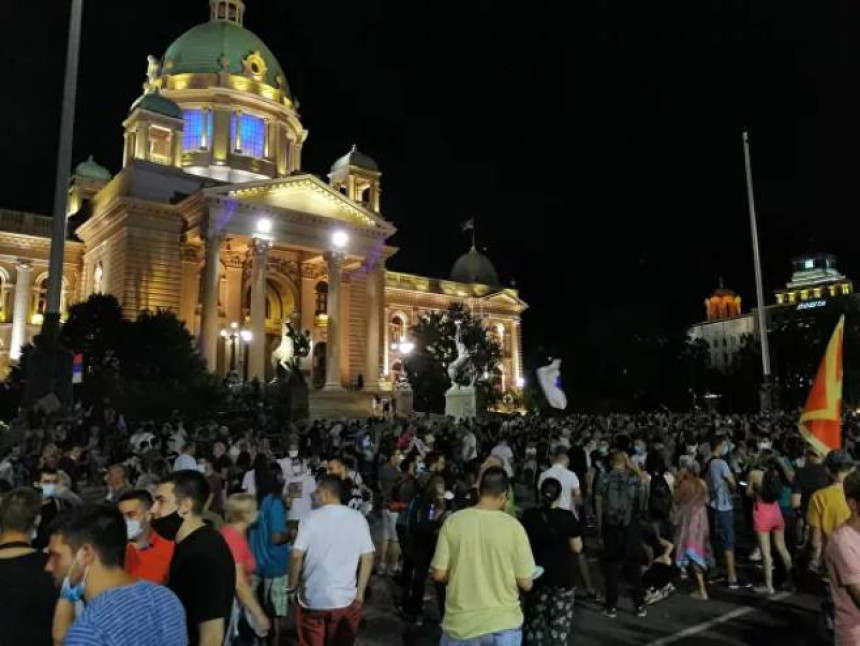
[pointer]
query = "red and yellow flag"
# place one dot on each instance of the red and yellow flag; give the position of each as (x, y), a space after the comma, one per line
(821, 420)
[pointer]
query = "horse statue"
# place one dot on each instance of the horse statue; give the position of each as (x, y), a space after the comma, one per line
(462, 370)
(293, 348)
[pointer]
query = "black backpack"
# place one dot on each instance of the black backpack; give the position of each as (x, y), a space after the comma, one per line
(659, 498)
(771, 486)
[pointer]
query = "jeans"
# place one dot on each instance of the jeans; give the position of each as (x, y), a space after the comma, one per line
(622, 552)
(512, 637)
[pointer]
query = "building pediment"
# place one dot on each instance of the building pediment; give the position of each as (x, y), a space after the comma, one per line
(506, 299)
(304, 194)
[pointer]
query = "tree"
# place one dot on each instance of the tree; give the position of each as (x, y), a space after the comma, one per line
(148, 366)
(435, 349)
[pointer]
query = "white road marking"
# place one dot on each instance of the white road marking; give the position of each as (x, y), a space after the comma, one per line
(729, 616)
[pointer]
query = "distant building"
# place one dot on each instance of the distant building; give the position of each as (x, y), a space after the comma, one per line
(724, 328)
(815, 280)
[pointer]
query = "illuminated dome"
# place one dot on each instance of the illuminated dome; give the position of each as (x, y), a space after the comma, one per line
(92, 170)
(723, 303)
(220, 45)
(355, 158)
(155, 102)
(475, 267)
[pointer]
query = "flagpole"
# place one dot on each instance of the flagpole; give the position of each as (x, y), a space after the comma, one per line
(473, 234)
(759, 287)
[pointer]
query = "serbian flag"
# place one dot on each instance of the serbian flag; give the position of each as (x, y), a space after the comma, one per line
(78, 369)
(821, 420)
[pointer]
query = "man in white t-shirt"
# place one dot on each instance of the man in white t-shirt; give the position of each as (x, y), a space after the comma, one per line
(469, 446)
(506, 455)
(570, 492)
(332, 544)
(298, 490)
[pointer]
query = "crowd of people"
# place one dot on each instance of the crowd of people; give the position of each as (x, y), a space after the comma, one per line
(239, 532)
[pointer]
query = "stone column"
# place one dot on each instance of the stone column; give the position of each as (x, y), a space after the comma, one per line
(257, 349)
(20, 308)
(515, 355)
(209, 279)
(333, 336)
(374, 303)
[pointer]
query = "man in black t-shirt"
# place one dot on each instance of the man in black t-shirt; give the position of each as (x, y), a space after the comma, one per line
(202, 572)
(27, 594)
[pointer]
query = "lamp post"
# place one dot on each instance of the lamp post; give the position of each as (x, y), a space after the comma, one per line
(246, 336)
(232, 334)
(766, 393)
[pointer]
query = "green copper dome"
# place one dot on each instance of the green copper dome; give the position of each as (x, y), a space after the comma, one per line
(208, 47)
(155, 102)
(92, 170)
(475, 267)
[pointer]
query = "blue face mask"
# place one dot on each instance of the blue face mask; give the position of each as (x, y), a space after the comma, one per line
(73, 593)
(49, 490)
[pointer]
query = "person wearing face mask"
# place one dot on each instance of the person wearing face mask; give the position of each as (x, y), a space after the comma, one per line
(721, 483)
(28, 595)
(52, 504)
(268, 539)
(640, 453)
(248, 618)
(86, 555)
(298, 486)
(148, 554)
(202, 571)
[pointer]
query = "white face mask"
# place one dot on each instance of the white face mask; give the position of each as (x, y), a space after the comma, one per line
(293, 453)
(133, 528)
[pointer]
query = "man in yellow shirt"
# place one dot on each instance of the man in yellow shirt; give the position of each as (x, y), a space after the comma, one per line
(484, 556)
(827, 507)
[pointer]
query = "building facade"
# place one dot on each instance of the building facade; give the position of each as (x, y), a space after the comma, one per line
(213, 218)
(815, 280)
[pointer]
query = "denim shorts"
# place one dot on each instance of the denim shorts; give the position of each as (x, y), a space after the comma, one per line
(723, 531)
(513, 637)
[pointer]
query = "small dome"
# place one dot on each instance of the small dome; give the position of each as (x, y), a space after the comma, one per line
(475, 267)
(723, 291)
(212, 46)
(155, 102)
(91, 170)
(355, 158)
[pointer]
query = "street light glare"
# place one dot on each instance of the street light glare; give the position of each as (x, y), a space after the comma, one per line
(339, 239)
(264, 226)
(246, 335)
(223, 334)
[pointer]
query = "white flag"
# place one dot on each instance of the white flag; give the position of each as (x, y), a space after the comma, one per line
(549, 378)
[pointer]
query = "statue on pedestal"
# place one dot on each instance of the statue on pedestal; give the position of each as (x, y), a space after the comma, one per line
(288, 392)
(462, 370)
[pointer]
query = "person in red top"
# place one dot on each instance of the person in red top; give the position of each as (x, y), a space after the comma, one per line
(248, 614)
(147, 555)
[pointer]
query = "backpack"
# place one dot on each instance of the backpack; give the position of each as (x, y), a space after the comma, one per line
(619, 499)
(659, 498)
(771, 486)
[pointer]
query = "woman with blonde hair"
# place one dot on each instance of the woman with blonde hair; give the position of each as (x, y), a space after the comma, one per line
(248, 621)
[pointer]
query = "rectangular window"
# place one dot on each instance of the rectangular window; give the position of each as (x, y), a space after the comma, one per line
(198, 129)
(160, 142)
(251, 136)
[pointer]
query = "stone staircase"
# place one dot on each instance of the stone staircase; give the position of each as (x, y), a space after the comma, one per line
(334, 404)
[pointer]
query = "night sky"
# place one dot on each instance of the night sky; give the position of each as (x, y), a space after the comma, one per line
(597, 144)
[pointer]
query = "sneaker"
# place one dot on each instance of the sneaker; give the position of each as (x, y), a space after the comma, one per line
(641, 611)
(419, 621)
(734, 585)
(755, 555)
(610, 613)
(764, 590)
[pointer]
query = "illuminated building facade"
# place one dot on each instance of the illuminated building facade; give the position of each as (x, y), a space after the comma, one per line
(213, 218)
(815, 280)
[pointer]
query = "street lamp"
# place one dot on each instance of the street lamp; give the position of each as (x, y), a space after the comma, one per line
(264, 228)
(339, 239)
(232, 334)
(405, 347)
(246, 336)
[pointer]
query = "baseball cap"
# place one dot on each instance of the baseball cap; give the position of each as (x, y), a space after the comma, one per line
(838, 460)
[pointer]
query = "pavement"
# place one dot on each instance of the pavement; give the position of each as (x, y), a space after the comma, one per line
(727, 618)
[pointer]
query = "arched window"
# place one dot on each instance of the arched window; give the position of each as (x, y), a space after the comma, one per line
(321, 291)
(396, 329)
(98, 278)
